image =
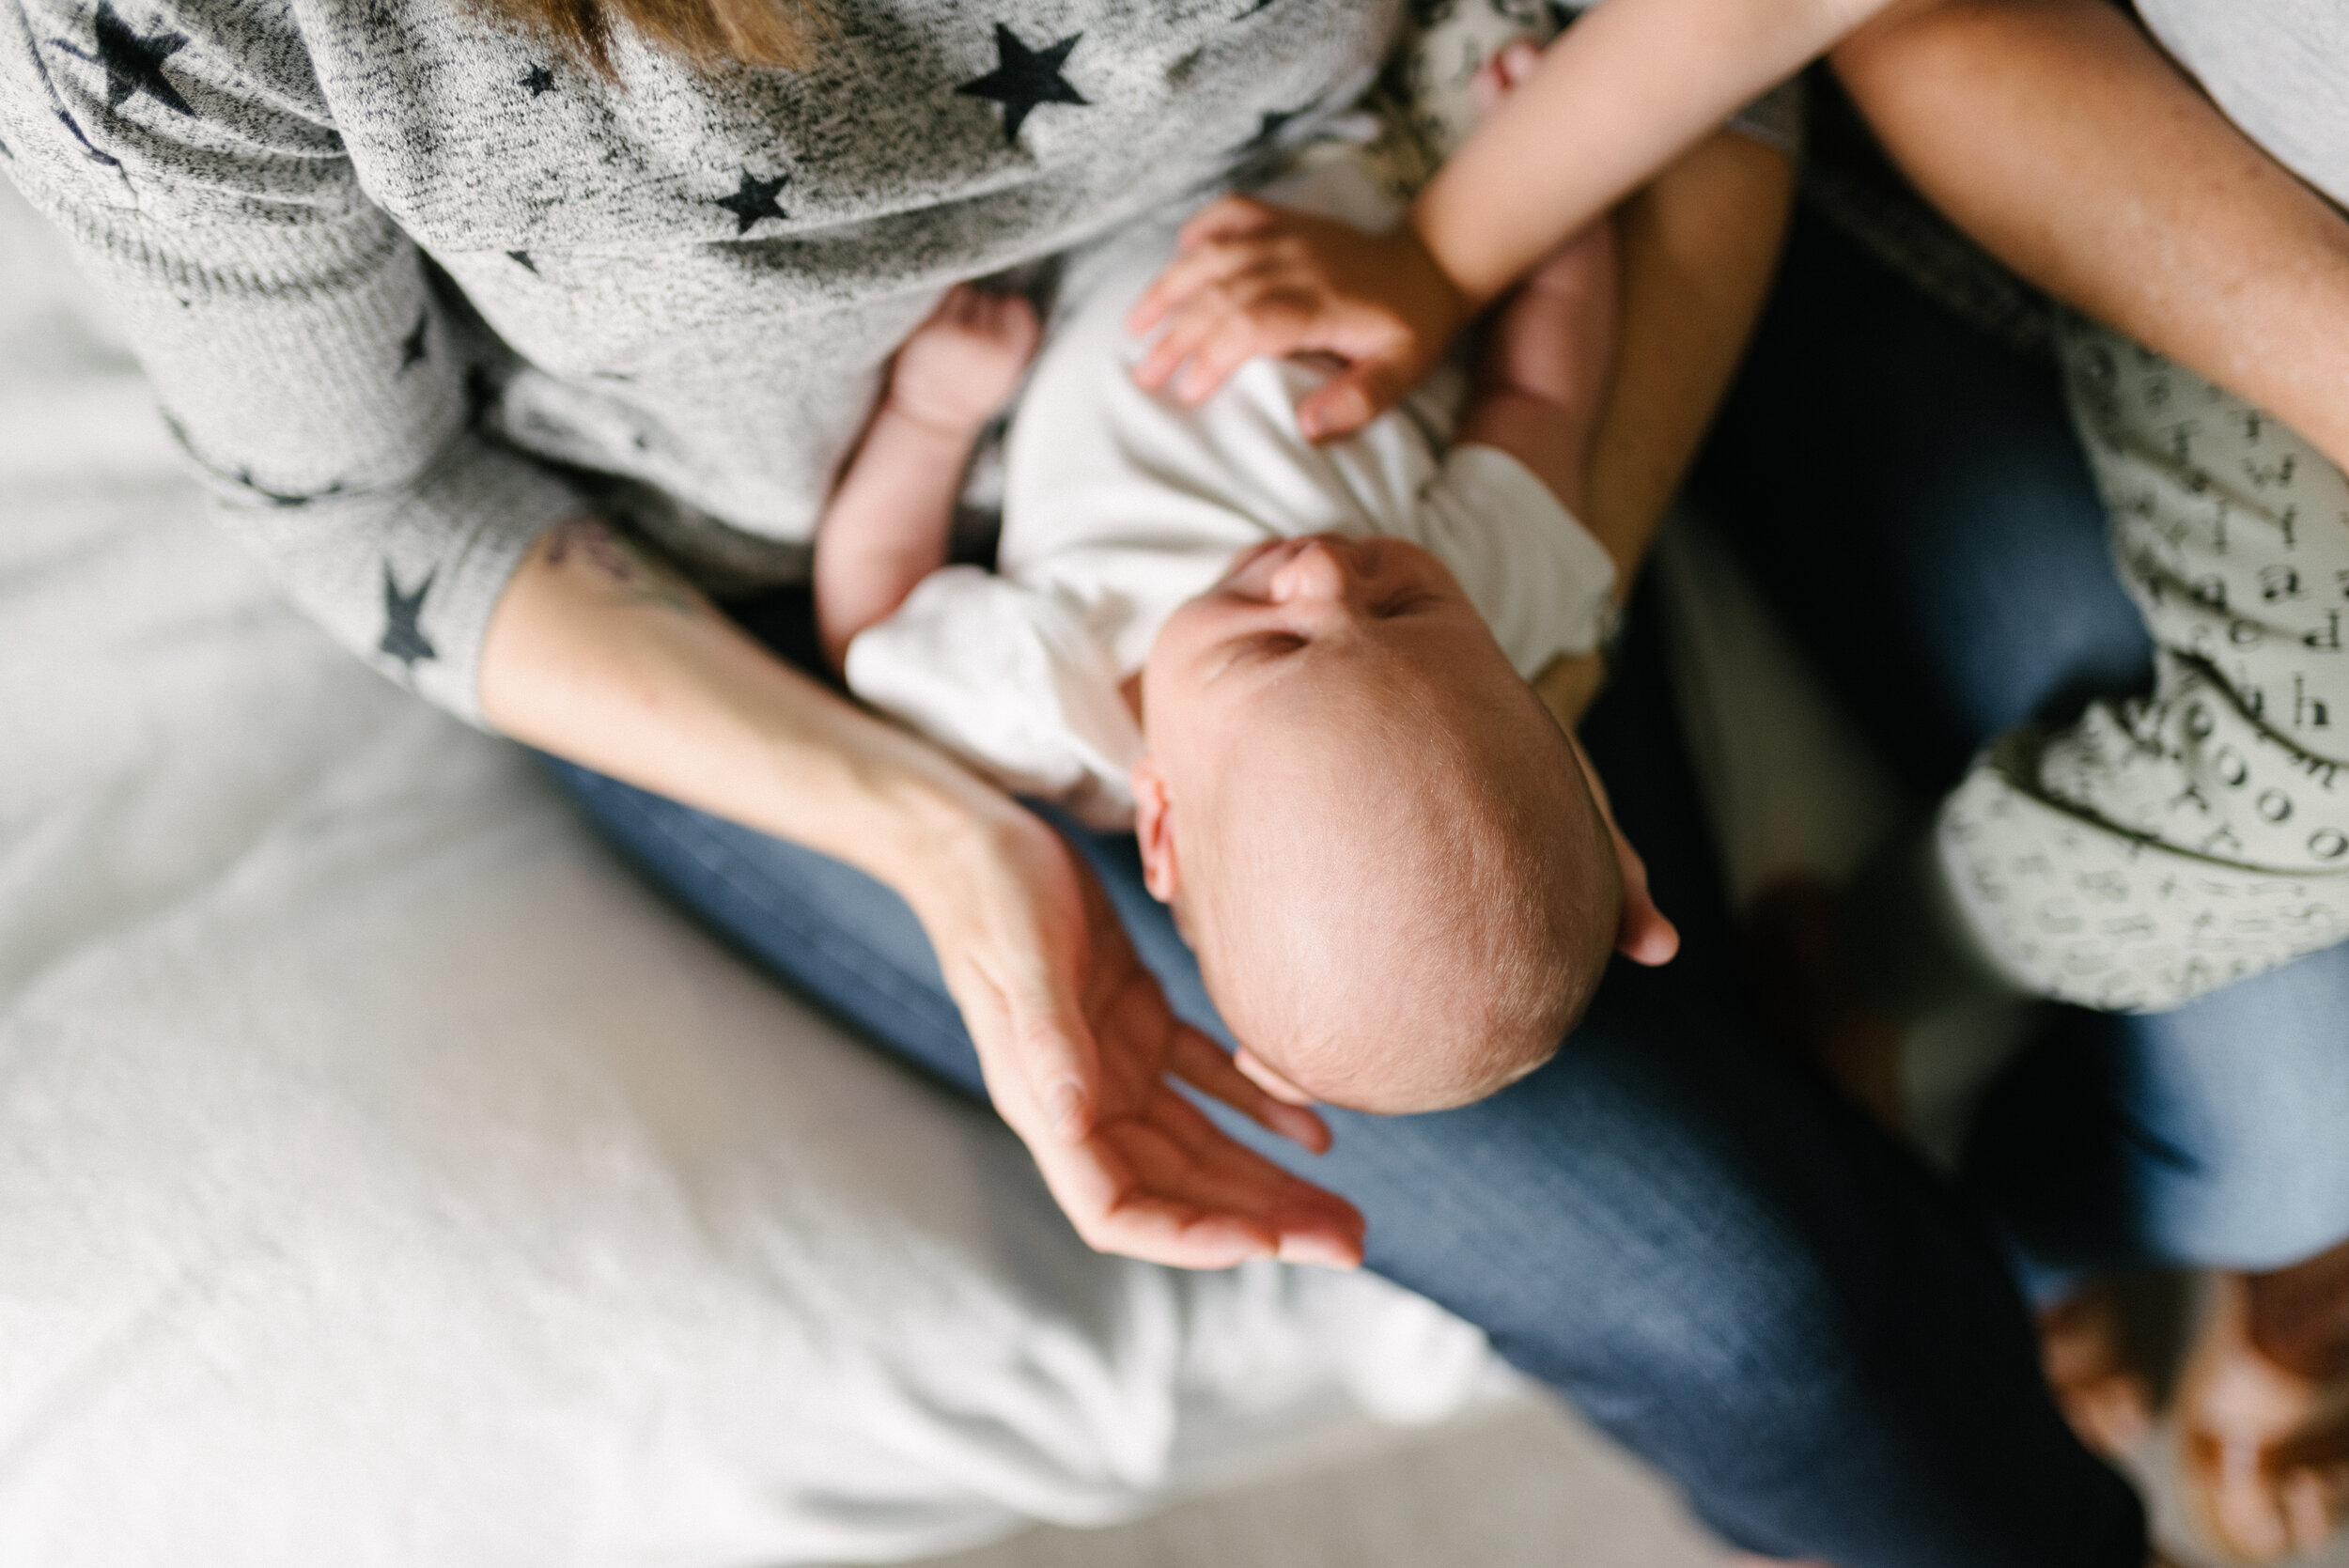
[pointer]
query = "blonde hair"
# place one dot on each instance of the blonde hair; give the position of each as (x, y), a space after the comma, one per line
(778, 34)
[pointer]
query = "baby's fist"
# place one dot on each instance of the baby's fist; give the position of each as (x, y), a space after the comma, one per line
(962, 365)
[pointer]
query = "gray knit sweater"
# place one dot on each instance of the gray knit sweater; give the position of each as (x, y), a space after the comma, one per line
(403, 278)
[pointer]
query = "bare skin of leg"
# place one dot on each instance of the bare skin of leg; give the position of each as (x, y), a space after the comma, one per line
(1545, 368)
(1549, 356)
(2263, 1411)
(1696, 250)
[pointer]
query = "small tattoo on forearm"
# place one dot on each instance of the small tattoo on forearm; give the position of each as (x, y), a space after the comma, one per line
(636, 575)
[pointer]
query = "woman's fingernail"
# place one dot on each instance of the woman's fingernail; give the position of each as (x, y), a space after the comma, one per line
(1065, 1105)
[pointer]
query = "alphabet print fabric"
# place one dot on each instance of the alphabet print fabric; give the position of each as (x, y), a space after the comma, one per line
(2163, 846)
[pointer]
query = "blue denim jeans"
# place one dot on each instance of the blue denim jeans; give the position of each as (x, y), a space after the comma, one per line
(1673, 1223)
(1910, 493)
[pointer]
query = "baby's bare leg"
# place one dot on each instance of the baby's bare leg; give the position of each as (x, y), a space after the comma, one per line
(1547, 364)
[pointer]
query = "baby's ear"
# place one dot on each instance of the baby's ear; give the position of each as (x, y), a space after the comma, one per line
(1153, 829)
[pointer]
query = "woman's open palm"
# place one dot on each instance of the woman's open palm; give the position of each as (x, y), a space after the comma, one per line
(1082, 1055)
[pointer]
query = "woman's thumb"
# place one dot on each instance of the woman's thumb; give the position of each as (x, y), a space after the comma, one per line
(1057, 1054)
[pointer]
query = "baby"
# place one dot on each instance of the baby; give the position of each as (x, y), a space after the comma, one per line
(1298, 673)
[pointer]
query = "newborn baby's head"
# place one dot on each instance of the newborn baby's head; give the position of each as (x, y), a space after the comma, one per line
(1383, 850)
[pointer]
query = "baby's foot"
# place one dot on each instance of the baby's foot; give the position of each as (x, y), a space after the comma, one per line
(962, 363)
(1503, 71)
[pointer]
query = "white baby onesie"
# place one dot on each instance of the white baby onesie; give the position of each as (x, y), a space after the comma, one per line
(1120, 504)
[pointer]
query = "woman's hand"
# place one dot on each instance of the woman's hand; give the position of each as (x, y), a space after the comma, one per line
(600, 654)
(1082, 1055)
(1256, 279)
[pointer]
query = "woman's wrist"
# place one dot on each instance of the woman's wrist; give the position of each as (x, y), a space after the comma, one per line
(922, 823)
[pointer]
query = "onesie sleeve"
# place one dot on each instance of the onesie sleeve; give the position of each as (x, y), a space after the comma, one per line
(1010, 678)
(316, 385)
(2163, 846)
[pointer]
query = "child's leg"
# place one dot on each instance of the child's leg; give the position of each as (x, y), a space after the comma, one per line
(1545, 366)
(1548, 356)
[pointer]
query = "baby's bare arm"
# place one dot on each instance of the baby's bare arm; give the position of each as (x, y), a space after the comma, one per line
(886, 527)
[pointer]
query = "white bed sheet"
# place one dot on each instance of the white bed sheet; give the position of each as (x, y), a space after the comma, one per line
(386, 1177)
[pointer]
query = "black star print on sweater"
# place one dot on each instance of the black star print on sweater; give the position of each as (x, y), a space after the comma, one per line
(1269, 129)
(754, 200)
(1023, 78)
(403, 639)
(539, 80)
(134, 64)
(413, 347)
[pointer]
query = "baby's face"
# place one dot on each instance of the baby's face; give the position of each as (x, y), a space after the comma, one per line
(1294, 618)
(1374, 837)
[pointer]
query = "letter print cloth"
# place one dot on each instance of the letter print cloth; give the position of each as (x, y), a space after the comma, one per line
(2161, 847)
(396, 273)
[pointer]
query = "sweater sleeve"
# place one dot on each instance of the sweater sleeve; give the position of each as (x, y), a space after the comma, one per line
(2165, 845)
(321, 387)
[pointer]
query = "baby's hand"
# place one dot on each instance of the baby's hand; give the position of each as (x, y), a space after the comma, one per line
(1257, 279)
(963, 363)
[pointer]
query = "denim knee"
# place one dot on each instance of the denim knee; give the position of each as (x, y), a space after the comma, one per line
(2208, 1137)
(2243, 1099)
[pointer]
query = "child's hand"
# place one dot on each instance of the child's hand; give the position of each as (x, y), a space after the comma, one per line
(963, 363)
(1257, 279)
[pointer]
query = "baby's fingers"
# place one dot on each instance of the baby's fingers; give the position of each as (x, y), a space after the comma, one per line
(1352, 398)
(1231, 339)
(1185, 278)
(1227, 218)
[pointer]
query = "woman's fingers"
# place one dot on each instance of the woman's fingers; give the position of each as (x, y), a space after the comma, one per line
(1201, 1063)
(1116, 1211)
(1266, 326)
(1174, 1151)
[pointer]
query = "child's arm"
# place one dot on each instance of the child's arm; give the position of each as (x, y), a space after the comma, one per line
(885, 528)
(1626, 89)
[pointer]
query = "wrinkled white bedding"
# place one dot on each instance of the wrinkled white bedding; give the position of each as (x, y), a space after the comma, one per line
(385, 1177)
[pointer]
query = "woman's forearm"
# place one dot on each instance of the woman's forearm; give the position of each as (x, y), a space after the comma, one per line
(2057, 134)
(602, 655)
